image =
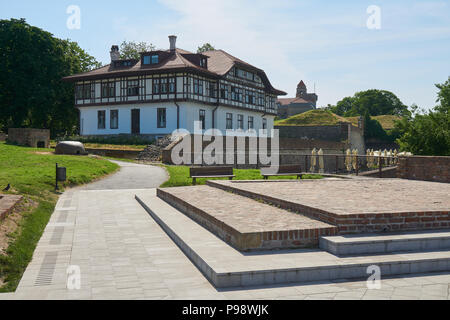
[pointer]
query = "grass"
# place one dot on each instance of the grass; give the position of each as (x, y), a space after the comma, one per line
(316, 117)
(179, 176)
(327, 118)
(31, 173)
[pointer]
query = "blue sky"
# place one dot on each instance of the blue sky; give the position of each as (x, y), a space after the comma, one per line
(326, 43)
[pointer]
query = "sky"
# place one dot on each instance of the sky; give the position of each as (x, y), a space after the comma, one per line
(336, 47)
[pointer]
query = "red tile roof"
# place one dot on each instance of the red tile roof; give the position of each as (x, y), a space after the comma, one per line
(219, 64)
(287, 101)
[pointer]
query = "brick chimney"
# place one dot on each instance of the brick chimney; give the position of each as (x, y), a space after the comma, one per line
(173, 42)
(115, 54)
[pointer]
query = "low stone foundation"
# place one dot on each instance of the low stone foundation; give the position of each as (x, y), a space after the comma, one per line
(355, 206)
(35, 138)
(7, 204)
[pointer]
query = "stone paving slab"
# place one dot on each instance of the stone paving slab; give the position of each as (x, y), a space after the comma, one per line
(386, 243)
(225, 266)
(356, 205)
(243, 222)
(166, 273)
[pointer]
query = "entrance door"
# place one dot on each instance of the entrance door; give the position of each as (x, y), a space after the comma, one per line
(136, 121)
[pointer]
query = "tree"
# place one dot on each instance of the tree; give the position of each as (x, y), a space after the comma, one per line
(373, 128)
(205, 47)
(33, 64)
(428, 133)
(376, 102)
(132, 49)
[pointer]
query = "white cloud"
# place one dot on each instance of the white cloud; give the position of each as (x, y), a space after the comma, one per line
(293, 40)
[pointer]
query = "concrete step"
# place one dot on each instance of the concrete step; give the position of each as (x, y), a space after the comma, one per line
(386, 243)
(226, 267)
(244, 223)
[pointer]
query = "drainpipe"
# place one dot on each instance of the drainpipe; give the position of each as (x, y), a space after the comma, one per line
(178, 114)
(214, 117)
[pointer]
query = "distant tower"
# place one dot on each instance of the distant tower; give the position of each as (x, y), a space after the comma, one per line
(301, 90)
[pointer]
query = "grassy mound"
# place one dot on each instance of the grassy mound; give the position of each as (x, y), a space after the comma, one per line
(327, 118)
(312, 118)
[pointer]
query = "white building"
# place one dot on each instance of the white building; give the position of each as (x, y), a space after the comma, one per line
(169, 90)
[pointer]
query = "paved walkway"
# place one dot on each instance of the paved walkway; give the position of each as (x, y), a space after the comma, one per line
(123, 254)
(131, 176)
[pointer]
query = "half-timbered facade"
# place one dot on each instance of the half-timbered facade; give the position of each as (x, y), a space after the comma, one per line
(169, 90)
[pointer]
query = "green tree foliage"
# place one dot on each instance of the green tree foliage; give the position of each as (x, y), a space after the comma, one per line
(33, 62)
(132, 49)
(205, 47)
(428, 133)
(373, 128)
(375, 102)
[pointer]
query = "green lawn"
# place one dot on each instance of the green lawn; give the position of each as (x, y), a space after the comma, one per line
(32, 175)
(179, 176)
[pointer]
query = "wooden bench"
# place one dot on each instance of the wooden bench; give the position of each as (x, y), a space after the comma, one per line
(211, 172)
(286, 170)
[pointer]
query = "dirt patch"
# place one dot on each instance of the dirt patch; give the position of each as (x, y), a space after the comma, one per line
(42, 152)
(11, 223)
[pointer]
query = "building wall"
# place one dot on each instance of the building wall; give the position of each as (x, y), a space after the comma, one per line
(189, 113)
(424, 168)
(29, 137)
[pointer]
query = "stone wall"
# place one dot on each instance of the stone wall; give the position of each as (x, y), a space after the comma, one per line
(292, 151)
(435, 169)
(3, 136)
(35, 138)
(114, 153)
(343, 132)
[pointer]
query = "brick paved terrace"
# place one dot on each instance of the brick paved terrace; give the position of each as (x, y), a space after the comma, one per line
(356, 205)
(243, 222)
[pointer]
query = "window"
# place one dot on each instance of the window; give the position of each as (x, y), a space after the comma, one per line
(198, 86)
(156, 86)
(124, 63)
(132, 87)
(237, 94)
(250, 123)
(114, 119)
(108, 89)
(146, 60)
(240, 124)
(212, 89)
(244, 74)
(223, 91)
(229, 121)
(155, 59)
(101, 115)
(172, 85)
(83, 91)
(203, 62)
(163, 85)
(202, 119)
(161, 117)
(250, 97)
(264, 124)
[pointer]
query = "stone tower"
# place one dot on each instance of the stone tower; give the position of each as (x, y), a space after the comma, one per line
(301, 90)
